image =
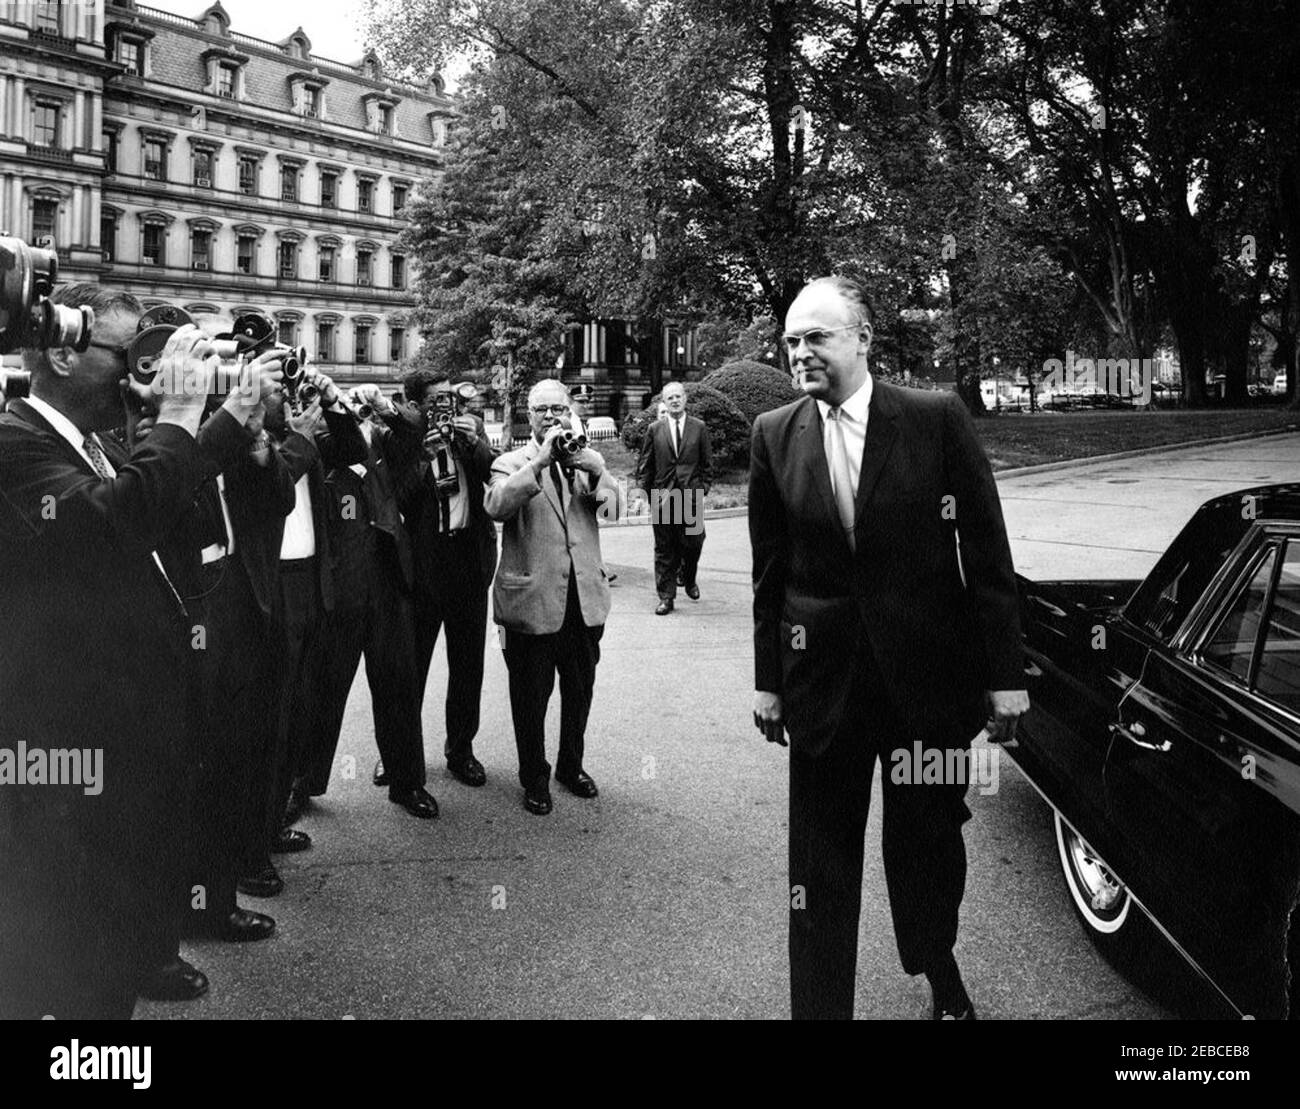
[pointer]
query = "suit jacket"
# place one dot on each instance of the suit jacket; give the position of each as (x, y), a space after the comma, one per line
(374, 498)
(419, 499)
(543, 541)
(690, 468)
(95, 653)
(340, 443)
(941, 626)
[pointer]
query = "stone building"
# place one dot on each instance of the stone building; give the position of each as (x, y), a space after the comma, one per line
(190, 164)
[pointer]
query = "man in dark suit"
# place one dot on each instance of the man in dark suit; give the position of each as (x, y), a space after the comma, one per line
(675, 473)
(551, 594)
(885, 614)
(373, 612)
(95, 657)
(455, 556)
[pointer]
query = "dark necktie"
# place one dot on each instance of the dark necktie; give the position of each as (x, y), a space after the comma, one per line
(98, 459)
(557, 479)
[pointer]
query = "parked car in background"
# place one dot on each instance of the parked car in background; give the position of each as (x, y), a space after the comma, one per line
(1165, 734)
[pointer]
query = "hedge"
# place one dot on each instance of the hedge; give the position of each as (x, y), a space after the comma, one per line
(755, 387)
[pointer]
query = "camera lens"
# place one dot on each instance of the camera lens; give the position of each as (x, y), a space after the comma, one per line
(61, 326)
(15, 384)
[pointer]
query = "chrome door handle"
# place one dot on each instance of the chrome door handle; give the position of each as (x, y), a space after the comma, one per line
(1135, 733)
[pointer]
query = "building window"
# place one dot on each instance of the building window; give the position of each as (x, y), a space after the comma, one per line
(399, 198)
(364, 260)
(365, 195)
(45, 123)
(226, 81)
(324, 342)
(201, 250)
(45, 216)
(108, 237)
(311, 101)
(399, 272)
(288, 182)
(151, 252)
(396, 343)
(48, 16)
(130, 52)
(287, 333)
(362, 344)
(110, 151)
(244, 253)
(203, 169)
(248, 176)
(329, 190)
(155, 159)
(288, 259)
(327, 263)
(385, 119)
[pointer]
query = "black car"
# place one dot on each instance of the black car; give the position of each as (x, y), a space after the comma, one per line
(1165, 734)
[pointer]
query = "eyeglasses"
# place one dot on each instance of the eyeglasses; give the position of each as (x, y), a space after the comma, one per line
(815, 338)
(553, 409)
(119, 351)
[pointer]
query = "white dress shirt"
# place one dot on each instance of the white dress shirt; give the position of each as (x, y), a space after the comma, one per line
(299, 532)
(853, 423)
(215, 551)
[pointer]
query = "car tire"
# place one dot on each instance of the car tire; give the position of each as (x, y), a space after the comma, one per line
(1101, 901)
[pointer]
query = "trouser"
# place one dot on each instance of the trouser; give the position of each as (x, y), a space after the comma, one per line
(300, 625)
(373, 615)
(450, 593)
(533, 661)
(239, 688)
(924, 855)
(679, 539)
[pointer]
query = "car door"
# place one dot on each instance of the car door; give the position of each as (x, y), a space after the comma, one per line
(1196, 762)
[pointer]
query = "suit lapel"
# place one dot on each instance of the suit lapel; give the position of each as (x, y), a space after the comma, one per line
(814, 449)
(548, 486)
(28, 414)
(882, 430)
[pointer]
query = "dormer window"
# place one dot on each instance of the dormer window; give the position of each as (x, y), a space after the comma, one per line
(226, 75)
(48, 16)
(129, 46)
(381, 111)
(225, 72)
(130, 53)
(307, 91)
(311, 101)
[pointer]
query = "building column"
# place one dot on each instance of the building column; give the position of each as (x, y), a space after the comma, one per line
(16, 128)
(78, 217)
(96, 136)
(78, 121)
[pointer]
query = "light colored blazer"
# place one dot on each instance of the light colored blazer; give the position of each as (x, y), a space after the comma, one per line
(544, 540)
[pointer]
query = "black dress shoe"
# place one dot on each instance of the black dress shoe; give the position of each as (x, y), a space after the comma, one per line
(178, 981)
(297, 805)
(579, 784)
(537, 797)
(418, 802)
(468, 770)
(380, 776)
(244, 926)
(290, 841)
(265, 883)
(693, 591)
(663, 608)
(953, 1010)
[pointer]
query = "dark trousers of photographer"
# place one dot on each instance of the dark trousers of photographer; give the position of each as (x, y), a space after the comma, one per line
(300, 624)
(238, 697)
(450, 594)
(373, 615)
(677, 518)
(533, 662)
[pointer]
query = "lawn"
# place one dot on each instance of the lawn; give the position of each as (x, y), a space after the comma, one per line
(1021, 439)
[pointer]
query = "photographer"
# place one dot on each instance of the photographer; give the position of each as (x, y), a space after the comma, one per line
(311, 432)
(373, 611)
(95, 660)
(551, 593)
(455, 556)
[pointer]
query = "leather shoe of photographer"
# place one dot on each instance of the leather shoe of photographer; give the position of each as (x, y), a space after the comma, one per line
(468, 770)
(380, 776)
(537, 797)
(693, 591)
(290, 842)
(265, 883)
(178, 981)
(579, 784)
(245, 926)
(418, 802)
(663, 608)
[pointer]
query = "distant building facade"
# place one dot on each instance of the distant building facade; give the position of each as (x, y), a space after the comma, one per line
(193, 165)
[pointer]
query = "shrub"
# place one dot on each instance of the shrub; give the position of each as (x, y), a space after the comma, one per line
(728, 428)
(755, 387)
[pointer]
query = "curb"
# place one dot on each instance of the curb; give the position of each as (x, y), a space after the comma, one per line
(1041, 468)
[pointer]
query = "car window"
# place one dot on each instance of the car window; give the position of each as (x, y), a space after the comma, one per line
(1278, 675)
(1232, 644)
